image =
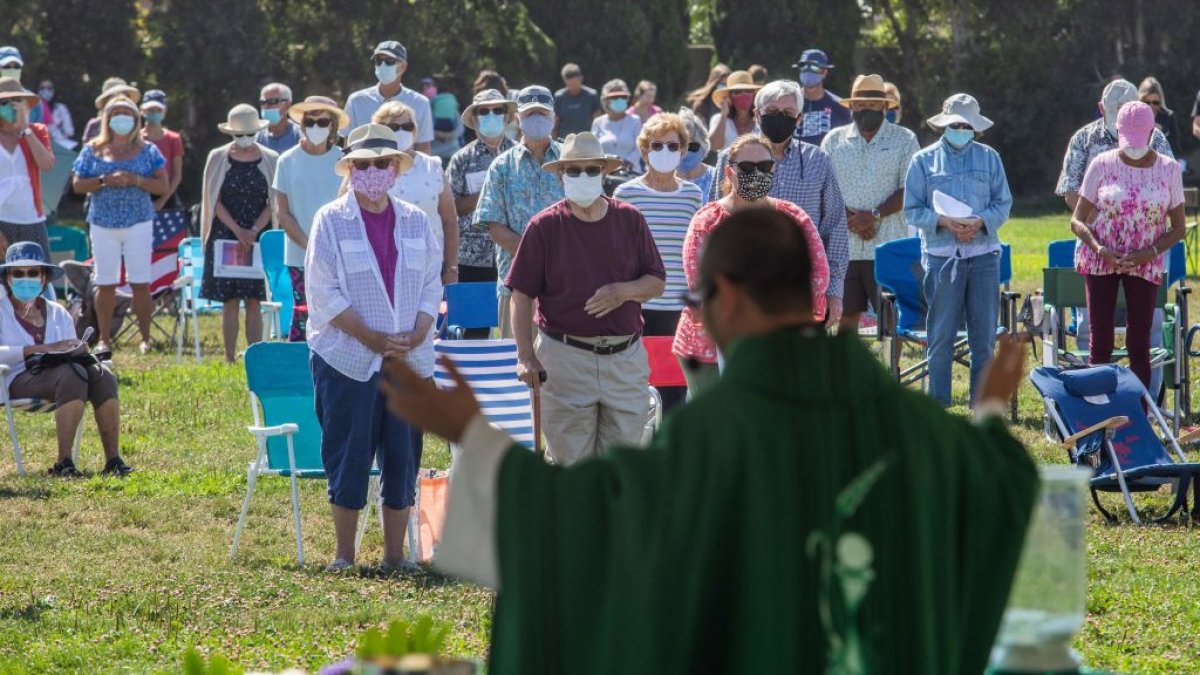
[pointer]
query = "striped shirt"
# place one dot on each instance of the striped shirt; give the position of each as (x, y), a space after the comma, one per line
(668, 215)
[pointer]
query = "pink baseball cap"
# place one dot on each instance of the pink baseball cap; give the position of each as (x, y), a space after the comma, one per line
(1135, 123)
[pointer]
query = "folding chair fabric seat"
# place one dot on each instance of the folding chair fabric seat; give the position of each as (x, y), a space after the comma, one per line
(490, 367)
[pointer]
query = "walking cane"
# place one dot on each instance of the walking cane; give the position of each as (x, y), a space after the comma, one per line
(537, 413)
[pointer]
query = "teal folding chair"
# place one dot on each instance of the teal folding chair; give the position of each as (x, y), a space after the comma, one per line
(278, 307)
(67, 243)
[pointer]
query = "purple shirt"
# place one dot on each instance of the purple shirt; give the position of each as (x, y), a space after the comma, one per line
(381, 233)
(562, 260)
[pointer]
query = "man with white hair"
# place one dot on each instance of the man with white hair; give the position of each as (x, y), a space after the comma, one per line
(281, 134)
(803, 175)
(390, 61)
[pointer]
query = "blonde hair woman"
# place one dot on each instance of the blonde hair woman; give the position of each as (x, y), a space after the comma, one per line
(424, 185)
(123, 173)
(1150, 92)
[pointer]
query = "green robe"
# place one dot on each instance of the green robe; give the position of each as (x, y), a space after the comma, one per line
(805, 515)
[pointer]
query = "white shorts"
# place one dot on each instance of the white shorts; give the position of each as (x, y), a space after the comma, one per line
(111, 245)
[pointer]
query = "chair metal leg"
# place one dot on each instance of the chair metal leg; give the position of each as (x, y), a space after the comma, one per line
(12, 435)
(196, 334)
(251, 483)
(1112, 455)
(372, 495)
(295, 500)
(78, 440)
(414, 526)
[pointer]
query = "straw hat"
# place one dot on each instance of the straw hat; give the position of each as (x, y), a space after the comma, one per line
(869, 89)
(582, 147)
(242, 119)
(10, 88)
(960, 108)
(319, 104)
(487, 97)
(370, 141)
(114, 86)
(739, 80)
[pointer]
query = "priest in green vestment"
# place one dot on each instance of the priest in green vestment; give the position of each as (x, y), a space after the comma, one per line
(805, 515)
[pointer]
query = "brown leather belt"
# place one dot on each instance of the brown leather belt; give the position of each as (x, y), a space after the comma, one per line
(598, 349)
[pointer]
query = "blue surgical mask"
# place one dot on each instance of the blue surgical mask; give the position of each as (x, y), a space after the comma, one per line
(26, 290)
(272, 115)
(121, 124)
(618, 104)
(386, 74)
(490, 126)
(811, 79)
(155, 117)
(537, 127)
(8, 113)
(691, 160)
(958, 138)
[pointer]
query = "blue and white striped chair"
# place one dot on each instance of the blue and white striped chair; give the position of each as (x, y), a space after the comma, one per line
(29, 405)
(490, 367)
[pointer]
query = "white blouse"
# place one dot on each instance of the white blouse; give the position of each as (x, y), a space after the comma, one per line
(14, 338)
(16, 190)
(421, 186)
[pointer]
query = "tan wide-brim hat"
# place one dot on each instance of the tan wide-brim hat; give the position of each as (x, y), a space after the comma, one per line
(321, 104)
(869, 89)
(487, 97)
(242, 119)
(738, 80)
(115, 86)
(582, 147)
(369, 142)
(10, 88)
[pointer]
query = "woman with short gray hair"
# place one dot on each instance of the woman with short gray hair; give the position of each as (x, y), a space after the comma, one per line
(618, 130)
(692, 167)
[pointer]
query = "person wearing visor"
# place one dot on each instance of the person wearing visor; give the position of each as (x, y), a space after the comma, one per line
(11, 62)
(516, 188)
(373, 269)
(281, 133)
(590, 263)
(169, 143)
(112, 88)
(390, 60)
(617, 129)
(960, 256)
(736, 116)
(822, 110)
(1129, 213)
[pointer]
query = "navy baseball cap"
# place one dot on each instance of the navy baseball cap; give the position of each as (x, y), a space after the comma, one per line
(391, 48)
(813, 59)
(155, 96)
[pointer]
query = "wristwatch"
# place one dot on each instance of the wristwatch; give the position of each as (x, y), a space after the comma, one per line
(876, 214)
(102, 181)
(27, 132)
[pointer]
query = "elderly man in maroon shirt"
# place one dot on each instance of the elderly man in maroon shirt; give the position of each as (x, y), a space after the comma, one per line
(590, 262)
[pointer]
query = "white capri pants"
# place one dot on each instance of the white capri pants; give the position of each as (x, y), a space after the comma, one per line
(133, 244)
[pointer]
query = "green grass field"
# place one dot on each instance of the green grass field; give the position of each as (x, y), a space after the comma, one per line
(104, 575)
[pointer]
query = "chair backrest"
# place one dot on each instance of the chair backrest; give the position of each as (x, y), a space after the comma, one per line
(664, 367)
(279, 282)
(1087, 396)
(56, 181)
(1191, 198)
(67, 243)
(471, 305)
(1064, 287)
(490, 367)
(1061, 253)
(1177, 264)
(898, 269)
(279, 377)
(1005, 264)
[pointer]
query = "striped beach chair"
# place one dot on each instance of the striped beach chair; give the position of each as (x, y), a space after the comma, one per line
(490, 367)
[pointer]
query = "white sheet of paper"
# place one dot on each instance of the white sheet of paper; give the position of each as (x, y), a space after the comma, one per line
(945, 205)
(475, 181)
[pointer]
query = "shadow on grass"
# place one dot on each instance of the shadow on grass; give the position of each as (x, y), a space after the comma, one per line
(25, 490)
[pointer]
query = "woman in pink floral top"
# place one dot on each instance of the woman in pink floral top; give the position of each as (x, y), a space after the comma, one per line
(750, 171)
(1129, 214)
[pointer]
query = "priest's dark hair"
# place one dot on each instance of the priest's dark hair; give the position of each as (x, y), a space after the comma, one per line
(762, 250)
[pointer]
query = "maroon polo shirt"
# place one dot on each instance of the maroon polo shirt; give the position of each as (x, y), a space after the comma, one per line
(562, 260)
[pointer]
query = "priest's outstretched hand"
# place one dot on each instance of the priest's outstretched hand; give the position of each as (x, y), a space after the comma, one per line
(1006, 371)
(445, 412)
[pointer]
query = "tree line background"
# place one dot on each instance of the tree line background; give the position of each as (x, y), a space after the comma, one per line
(1037, 66)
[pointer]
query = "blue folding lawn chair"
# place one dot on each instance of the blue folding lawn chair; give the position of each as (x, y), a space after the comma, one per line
(1100, 417)
(278, 308)
(469, 305)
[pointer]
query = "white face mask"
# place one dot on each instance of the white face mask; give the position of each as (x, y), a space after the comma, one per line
(14, 73)
(244, 141)
(404, 140)
(1136, 153)
(317, 135)
(663, 161)
(386, 74)
(583, 190)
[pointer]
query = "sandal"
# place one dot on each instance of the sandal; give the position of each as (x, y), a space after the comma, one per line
(65, 469)
(116, 467)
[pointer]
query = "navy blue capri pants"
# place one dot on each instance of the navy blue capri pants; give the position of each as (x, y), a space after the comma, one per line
(356, 428)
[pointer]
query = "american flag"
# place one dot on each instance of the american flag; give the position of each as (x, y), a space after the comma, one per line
(170, 229)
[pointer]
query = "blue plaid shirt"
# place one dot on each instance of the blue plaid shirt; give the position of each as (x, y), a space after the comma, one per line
(804, 177)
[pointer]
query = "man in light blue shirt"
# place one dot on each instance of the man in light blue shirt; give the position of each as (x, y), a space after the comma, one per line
(282, 134)
(961, 256)
(390, 60)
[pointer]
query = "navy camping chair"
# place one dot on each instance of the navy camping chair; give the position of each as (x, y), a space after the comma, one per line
(469, 305)
(1100, 415)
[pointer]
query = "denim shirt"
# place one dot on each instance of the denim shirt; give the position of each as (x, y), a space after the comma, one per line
(973, 175)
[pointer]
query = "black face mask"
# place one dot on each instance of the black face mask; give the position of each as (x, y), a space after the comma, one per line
(777, 126)
(867, 120)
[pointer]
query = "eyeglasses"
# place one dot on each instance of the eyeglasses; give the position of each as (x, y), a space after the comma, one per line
(962, 126)
(659, 145)
(591, 171)
(378, 163)
(1154, 102)
(317, 122)
(693, 147)
(483, 112)
(535, 98)
(407, 126)
(273, 101)
(764, 166)
(31, 273)
(384, 61)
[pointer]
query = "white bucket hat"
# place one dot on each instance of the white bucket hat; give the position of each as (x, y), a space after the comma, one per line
(960, 108)
(242, 119)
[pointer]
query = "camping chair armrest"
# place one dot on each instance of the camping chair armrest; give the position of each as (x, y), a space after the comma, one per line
(1190, 437)
(1112, 423)
(287, 429)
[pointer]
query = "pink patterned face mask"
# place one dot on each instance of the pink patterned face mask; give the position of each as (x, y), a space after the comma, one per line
(373, 183)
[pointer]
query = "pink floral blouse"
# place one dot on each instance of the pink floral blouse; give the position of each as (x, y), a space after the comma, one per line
(1132, 206)
(690, 339)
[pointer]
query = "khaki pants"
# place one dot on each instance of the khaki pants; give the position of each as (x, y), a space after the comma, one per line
(591, 402)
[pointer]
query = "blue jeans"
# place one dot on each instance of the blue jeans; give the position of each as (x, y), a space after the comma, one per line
(973, 295)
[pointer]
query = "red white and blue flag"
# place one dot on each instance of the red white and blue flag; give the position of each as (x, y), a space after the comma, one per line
(170, 229)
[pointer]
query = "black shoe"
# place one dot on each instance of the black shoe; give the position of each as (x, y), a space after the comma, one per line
(116, 467)
(65, 469)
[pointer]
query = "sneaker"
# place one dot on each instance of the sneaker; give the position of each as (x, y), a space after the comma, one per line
(116, 467)
(144, 348)
(65, 469)
(339, 565)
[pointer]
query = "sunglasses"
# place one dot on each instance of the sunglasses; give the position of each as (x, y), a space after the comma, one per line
(695, 300)
(591, 171)
(764, 166)
(482, 112)
(407, 126)
(659, 145)
(273, 101)
(378, 163)
(1153, 102)
(962, 126)
(317, 122)
(252, 135)
(693, 147)
(384, 61)
(31, 273)
(535, 98)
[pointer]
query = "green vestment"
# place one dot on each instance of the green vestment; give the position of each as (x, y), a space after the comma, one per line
(805, 515)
